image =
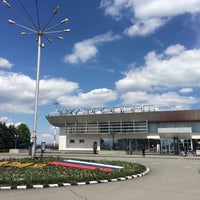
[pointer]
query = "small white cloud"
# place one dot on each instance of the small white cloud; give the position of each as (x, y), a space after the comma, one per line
(82, 52)
(115, 8)
(8, 121)
(174, 49)
(87, 49)
(144, 27)
(4, 63)
(164, 8)
(186, 90)
(5, 119)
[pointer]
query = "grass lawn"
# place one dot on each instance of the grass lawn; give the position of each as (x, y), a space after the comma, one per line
(14, 172)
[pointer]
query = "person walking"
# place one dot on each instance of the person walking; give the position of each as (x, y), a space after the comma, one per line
(143, 151)
(95, 147)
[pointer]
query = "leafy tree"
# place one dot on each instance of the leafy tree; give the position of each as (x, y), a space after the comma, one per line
(10, 136)
(6, 136)
(24, 135)
(2, 146)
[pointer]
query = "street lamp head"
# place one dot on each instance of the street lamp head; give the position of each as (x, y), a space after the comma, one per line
(11, 21)
(56, 10)
(60, 38)
(66, 30)
(23, 33)
(64, 21)
(5, 3)
(42, 45)
(49, 40)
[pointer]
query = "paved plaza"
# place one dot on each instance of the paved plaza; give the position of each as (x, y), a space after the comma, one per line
(171, 178)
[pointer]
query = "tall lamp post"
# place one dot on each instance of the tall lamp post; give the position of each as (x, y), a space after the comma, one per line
(16, 140)
(46, 32)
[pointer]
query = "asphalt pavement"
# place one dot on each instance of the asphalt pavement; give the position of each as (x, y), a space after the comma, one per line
(170, 178)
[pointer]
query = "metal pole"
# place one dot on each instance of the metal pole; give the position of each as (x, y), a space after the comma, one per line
(54, 137)
(34, 137)
(15, 141)
(46, 32)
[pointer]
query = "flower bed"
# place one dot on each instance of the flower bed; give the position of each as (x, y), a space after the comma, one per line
(26, 172)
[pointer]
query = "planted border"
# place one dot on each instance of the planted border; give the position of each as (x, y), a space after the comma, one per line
(16, 177)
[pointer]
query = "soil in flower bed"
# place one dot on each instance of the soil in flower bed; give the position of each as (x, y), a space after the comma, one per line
(15, 172)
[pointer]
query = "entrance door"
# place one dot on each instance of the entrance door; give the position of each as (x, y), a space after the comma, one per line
(167, 146)
(185, 145)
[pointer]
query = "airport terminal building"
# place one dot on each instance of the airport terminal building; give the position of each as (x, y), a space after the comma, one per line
(165, 132)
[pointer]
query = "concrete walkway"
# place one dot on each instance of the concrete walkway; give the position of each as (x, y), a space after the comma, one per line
(171, 178)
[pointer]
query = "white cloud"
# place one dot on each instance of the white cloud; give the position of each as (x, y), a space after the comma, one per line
(144, 27)
(87, 49)
(5, 119)
(54, 88)
(181, 69)
(8, 121)
(17, 92)
(186, 90)
(157, 80)
(164, 8)
(169, 100)
(115, 8)
(146, 15)
(174, 50)
(94, 98)
(4, 63)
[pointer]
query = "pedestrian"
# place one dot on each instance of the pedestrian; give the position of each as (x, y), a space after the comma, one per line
(143, 151)
(186, 151)
(95, 148)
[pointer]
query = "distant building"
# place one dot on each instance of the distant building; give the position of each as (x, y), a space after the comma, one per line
(168, 132)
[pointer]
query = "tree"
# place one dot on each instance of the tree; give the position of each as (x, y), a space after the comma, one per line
(7, 136)
(24, 135)
(2, 146)
(10, 136)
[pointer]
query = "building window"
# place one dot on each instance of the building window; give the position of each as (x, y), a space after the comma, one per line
(81, 141)
(127, 127)
(140, 127)
(71, 141)
(115, 127)
(80, 128)
(104, 128)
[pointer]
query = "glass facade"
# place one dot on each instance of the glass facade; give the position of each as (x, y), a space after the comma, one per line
(108, 127)
(153, 127)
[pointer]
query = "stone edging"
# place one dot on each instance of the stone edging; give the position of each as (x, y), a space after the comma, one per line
(21, 187)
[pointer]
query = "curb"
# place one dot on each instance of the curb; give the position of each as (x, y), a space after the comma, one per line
(23, 187)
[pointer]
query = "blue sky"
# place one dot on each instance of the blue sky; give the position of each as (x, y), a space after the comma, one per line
(118, 53)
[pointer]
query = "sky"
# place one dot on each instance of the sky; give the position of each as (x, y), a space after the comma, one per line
(118, 53)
